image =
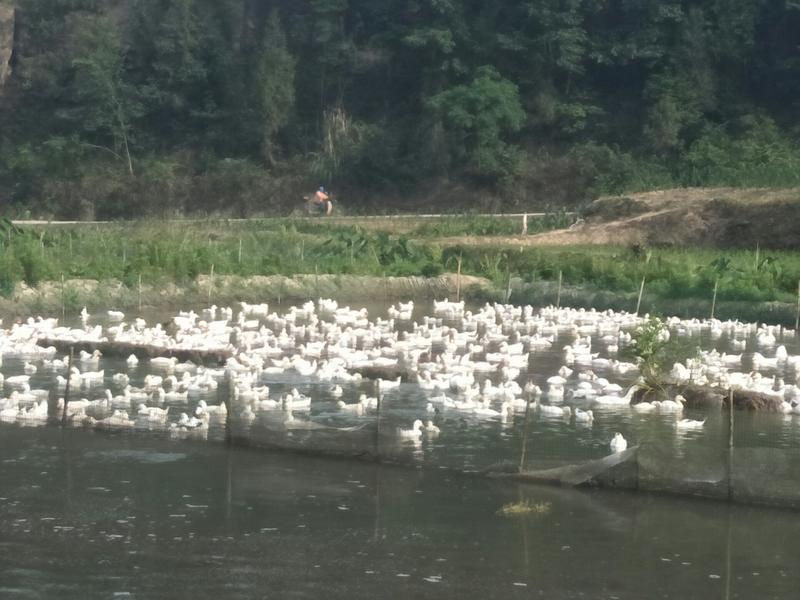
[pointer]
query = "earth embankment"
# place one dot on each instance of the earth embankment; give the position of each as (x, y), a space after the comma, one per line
(719, 217)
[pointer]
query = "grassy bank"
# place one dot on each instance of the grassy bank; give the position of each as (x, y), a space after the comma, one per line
(677, 281)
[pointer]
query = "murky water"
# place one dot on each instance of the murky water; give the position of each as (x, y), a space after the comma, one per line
(470, 442)
(136, 514)
(112, 516)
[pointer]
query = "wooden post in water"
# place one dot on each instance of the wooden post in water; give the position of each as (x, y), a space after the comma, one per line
(63, 302)
(730, 445)
(508, 284)
(523, 454)
(229, 397)
(797, 313)
(378, 421)
(458, 279)
(66, 387)
(714, 299)
(641, 287)
(558, 292)
(641, 292)
(210, 283)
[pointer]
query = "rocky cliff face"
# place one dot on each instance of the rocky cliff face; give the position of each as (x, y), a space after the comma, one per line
(7, 18)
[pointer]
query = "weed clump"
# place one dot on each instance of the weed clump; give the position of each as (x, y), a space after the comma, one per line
(524, 507)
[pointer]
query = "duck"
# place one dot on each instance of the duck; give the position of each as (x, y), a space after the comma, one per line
(118, 420)
(675, 405)
(37, 413)
(214, 410)
(356, 408)
(369, 402)
(186, 422)
(431, 429)
(615, 398)
(555, 387)
(121, 380)
(554, 411)
(583, 416)
(152, 414)
(296, 401)
(618, 443)
(414, 433)
(164, 363)
(385, 385)
(690, 424)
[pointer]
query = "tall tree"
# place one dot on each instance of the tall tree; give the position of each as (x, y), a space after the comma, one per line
(106, 104)
(274, 84)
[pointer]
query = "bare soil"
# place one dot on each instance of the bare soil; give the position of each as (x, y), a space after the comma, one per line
(722, 217)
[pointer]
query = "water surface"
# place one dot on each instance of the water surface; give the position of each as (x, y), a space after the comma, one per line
(108, 516)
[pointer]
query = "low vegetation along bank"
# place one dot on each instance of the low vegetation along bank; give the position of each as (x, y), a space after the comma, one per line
(160, 255)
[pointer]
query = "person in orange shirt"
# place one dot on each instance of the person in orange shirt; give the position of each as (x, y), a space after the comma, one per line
(323, 201)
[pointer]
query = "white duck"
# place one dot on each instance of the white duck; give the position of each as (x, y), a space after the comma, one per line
(690, 424)
(411, 434)
(619, 443)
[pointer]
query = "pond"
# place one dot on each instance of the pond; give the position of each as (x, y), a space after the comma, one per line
(85, 515)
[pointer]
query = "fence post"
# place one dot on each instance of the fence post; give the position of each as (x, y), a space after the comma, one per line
(714, 299)
(63, 301)
(66, 387)
(558, 293)
(228, 400)
(458, 279)
(378, 422)
(210, 282)
(508, 285)
(797, 313)
(525, 434)
(525, 224)
(140, 292)
(641, 291)
(730, 445)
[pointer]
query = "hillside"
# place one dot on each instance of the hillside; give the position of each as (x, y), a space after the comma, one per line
(120, 108)
(720, 217)
(715, 217)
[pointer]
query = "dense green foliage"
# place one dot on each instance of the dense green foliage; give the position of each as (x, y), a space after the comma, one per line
(126, 107)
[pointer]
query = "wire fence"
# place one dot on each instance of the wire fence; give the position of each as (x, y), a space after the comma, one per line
(739, 464)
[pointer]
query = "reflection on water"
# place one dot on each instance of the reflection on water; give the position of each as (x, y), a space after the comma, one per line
(99, 516)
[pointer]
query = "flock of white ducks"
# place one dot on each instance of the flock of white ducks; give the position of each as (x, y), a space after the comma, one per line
(465, 362)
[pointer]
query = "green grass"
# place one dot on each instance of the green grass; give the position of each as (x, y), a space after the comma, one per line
(178, 253)
(480, 225)
(670, 273)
